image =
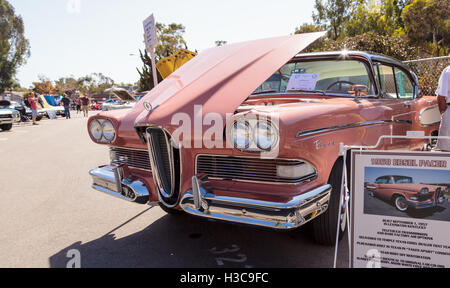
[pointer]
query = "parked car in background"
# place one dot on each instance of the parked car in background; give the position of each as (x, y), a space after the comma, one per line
(8, 116)
(46, 106)
(405, 194)
(281, 115)
(25, 112)
(125, 101)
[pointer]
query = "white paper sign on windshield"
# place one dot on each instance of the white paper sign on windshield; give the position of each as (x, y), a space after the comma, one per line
(303, 82)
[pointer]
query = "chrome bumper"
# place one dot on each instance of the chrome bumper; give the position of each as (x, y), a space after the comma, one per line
(109, 180)
(4, 121)
(281, 216)
(426, 205)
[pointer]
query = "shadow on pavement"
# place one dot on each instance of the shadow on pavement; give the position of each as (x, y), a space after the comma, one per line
(188, 242)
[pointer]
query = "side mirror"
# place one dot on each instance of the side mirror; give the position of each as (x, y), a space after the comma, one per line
(359, 91)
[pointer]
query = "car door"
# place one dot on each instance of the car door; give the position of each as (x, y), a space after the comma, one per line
(402, 107)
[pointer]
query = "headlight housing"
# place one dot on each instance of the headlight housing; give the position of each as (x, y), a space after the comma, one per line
(102, 130)
(253, 135)
(424, 191)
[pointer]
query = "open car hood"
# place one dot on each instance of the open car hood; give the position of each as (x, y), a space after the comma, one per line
(5, 103)
(123, 94)
(220, 79)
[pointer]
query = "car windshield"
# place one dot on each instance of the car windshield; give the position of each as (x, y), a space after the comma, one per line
(326, 76)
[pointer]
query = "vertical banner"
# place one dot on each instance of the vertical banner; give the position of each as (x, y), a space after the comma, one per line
(400, 209)
(151, 40)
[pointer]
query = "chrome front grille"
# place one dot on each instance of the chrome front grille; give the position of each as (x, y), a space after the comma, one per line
(131, 157)
(8, 116)
(165, 165)
(246, 169)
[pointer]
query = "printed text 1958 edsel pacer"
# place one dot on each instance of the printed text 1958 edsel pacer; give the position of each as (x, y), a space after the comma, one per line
(357, 98)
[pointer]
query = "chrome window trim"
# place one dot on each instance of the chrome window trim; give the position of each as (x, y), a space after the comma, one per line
(310, 179)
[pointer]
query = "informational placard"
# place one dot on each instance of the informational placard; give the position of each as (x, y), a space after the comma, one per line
(303, 82)
(52, 114)
(150, 32)
(400, 209)
(151, 40)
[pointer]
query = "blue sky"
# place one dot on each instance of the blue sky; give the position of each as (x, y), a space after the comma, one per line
(100, 35)
(418, 175)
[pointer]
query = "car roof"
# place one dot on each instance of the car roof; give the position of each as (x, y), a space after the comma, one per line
(369, 56)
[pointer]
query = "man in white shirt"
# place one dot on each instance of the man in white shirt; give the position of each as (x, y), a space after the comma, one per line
(443, 93)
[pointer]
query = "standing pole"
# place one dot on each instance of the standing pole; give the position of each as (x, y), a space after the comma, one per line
(155, 75)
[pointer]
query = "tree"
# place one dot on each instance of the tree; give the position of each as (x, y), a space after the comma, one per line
(170, 39)
(309, 28)
(428, 20)
(394, 46)
(68, 85)
(384, 18)
(146, 82)
(45, 86)
(333, 14)
(14, 47)
(220, 43)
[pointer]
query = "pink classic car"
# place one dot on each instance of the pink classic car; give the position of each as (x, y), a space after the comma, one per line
(404, 193)
(273, 118)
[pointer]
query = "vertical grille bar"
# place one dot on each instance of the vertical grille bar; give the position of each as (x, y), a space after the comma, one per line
(161, 158)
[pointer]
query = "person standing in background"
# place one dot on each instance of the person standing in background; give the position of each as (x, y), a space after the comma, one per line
(85, 105)
(66, 103)
(32, 101)
(443, 93)
(78, 104)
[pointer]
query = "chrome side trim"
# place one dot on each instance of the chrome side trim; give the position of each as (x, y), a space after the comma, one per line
(104, 180)
(347, 126)
(281, 216)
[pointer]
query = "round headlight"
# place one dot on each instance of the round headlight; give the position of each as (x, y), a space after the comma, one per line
(266, 136)
(96, 130)
(241, 135)
(108, 131)
(424, 191)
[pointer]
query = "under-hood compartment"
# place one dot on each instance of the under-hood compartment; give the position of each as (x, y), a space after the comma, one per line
(220, 79)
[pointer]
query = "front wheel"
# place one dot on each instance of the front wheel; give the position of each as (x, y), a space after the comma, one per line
(401, 204)
(170, 211)
(6, 127)
(324, 227)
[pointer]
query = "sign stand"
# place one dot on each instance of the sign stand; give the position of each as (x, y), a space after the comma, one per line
(345, 193)
(151, 41)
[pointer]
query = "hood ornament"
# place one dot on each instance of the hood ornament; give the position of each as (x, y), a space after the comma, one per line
(148, 106)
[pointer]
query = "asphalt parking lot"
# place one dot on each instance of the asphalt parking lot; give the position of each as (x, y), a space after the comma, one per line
(48, 208)
(376, 206)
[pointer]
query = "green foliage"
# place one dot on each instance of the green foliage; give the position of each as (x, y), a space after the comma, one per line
(221, 43)
(428, 21)
(170, 40)
(394, 46)
(333, 14)
(93, 84)
(146, 82)
(14, 47)
(384, 19)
